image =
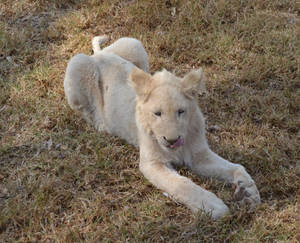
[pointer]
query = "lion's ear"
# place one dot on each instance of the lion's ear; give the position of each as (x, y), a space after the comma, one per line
(140, 81)
(194, 83)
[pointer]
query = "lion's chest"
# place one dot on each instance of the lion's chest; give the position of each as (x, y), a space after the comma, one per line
(180, 157)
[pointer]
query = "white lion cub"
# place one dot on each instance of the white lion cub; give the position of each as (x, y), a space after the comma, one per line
(159, 114)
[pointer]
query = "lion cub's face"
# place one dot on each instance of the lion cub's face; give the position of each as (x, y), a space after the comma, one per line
(165, 104)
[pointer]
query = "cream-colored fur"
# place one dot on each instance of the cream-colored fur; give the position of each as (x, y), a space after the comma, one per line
(157, 113)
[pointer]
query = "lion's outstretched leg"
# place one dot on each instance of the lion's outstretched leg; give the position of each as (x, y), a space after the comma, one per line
(207, 163)
(82, 87)
(183, 189)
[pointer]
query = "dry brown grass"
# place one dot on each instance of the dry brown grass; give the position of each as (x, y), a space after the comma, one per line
(61, 181)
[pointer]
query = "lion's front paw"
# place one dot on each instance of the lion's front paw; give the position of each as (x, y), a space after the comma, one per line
(218, 210)
(211, 204)
(246, 193)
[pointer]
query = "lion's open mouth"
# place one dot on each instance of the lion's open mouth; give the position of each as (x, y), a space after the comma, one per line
(178, 143)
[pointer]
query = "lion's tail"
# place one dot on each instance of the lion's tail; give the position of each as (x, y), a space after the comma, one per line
(98, 41)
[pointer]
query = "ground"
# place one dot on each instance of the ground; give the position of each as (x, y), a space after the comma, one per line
(61, 181)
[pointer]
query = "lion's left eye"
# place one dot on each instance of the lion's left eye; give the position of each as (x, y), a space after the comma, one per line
(158, 113)
(180, 111)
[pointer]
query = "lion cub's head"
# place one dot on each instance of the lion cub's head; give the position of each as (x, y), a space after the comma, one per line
(166, 103)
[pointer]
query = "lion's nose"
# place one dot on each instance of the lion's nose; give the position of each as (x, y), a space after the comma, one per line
(171, 141)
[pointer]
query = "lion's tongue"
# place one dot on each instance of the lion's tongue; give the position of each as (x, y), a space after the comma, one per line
(178, 143)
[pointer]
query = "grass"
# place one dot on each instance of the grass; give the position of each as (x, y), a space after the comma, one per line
(61, 181)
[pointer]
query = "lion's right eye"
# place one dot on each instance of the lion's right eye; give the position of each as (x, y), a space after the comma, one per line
(158, 113)
(180, 111)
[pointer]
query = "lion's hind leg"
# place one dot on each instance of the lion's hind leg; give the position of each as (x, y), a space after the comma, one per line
(129, 49)
(82, 89)
(98, 41)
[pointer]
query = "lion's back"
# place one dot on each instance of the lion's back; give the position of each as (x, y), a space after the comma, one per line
(118, 96)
